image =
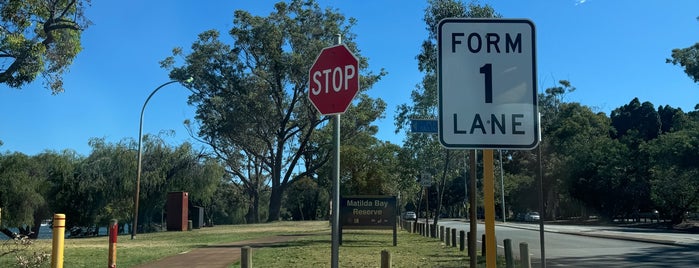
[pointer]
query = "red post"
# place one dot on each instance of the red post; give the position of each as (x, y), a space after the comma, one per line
(113, 232)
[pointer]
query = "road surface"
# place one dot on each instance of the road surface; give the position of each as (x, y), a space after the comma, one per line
(585, 246)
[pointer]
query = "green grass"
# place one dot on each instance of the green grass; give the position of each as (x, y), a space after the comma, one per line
(361, 248)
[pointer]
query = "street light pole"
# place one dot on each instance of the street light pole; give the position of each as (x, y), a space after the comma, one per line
(134, 227)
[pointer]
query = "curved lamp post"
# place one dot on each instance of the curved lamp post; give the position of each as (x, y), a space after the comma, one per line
(134, 228)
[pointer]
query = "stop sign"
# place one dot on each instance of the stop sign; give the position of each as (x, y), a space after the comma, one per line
(333, 80)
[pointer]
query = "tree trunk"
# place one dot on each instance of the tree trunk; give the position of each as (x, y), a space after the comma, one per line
(253, 215)
(440, 192)
(34, 234)
(8, 233)
(275, 204)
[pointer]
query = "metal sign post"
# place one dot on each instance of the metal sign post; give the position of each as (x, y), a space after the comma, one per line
(333, 82)
(487, 96)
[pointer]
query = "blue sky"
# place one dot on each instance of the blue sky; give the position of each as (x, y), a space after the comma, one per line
(612, 51)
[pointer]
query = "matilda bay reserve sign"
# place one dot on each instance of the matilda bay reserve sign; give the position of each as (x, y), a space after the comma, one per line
(368, 212)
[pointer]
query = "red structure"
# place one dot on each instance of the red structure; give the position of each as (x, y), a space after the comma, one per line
(177, 211)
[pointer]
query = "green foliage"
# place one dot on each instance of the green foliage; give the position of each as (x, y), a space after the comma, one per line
(687, 58)
(422, 153)
(19, 189)
(39, 37)
(675, 172)
(305, 201)
(252, 107)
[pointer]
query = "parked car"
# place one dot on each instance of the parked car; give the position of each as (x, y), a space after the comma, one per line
(532, 216)
(409, 215)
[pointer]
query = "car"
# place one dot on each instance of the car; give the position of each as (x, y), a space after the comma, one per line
(409, 215)
(532, 216)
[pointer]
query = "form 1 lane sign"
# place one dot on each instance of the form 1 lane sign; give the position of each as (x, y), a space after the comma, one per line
(487, 84)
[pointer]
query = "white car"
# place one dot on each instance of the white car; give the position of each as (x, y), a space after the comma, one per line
(532, 216)
(409, 215)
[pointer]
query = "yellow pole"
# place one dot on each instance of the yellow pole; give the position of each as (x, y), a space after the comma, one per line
(59, 229)
(489, 200)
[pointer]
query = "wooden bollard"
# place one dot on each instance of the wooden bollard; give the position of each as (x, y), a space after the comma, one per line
(469, 236)
(509, 261)
(385, 259)
(453, 237)
(483, 245)
(441, 233)
(524, 259)
(246, 257)
(447, 237)
(462, 240)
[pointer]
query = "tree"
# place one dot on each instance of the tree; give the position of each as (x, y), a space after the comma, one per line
(674, 171)
(304, 200)
(636, 122)
(425, 150)
(174, 169)
(39, 37)
(688, 58)
(20, 192)
(252, 107)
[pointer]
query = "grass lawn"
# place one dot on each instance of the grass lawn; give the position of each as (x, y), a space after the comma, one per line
(361, 248)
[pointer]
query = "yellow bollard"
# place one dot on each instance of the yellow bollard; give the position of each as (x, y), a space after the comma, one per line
(59, 230)
(113, 231)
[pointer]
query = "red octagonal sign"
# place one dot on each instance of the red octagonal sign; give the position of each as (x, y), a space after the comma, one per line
(333, 80)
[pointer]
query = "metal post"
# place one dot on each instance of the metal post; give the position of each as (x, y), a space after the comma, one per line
(427, 209)
(542, 210)
(489, 203)
(472, 212)
(134, 227)
(335, 248)
(502, 188)
(336, 193)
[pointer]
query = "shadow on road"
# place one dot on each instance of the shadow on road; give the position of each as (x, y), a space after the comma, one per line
(653, 257)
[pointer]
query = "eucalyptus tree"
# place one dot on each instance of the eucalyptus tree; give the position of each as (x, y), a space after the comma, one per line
(252, 105)
(674, 172)
(425, 148)
(687, 58)
(39, 37)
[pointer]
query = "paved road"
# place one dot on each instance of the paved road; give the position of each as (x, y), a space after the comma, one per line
(584, 246)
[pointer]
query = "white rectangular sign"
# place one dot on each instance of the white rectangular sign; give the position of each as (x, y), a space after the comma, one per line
(487, 84)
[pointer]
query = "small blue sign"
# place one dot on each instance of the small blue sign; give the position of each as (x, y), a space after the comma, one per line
(423, 126)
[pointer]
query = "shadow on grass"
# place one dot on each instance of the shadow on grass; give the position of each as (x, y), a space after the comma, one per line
(278, 241)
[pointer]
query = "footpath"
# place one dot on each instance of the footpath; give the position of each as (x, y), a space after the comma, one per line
(648, 235)
(215, 256)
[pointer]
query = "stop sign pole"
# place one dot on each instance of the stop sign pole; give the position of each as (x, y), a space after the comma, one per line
(334, 81)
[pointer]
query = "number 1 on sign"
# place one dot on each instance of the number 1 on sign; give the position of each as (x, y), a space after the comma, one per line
(487, 70)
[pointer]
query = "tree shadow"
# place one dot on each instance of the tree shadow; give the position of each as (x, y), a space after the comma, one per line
(667, 256)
